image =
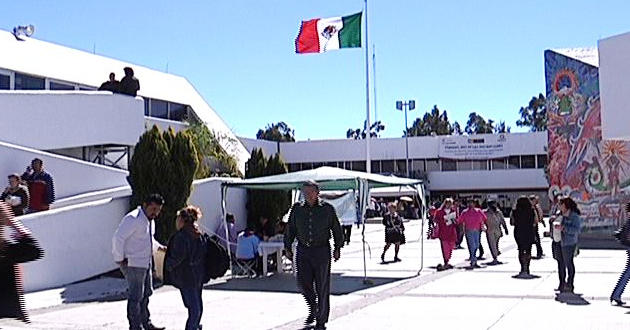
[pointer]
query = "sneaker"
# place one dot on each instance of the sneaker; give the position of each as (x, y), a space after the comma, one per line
(440, 268)
(448, 266)
(396, 259)
(481, 258)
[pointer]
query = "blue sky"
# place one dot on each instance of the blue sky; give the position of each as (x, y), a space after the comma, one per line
(484, 56)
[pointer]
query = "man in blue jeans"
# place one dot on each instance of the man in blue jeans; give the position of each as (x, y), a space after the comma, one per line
(132, 247)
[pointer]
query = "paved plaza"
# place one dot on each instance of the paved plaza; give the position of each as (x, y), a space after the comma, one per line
(487, 298)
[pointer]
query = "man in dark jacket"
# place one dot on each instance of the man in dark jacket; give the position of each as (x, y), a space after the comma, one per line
(129, 85)
(11, 254)
(111, 85)
(311, 223)
(38, 180)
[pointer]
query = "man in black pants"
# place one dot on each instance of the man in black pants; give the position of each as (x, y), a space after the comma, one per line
(311, 223)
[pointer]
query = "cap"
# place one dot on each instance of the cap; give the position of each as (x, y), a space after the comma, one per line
(310, 183)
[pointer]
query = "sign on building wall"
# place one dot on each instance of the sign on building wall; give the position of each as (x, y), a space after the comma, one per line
(477, 147)
(593, 171)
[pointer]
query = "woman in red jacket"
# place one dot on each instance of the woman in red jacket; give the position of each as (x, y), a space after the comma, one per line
(446, 221)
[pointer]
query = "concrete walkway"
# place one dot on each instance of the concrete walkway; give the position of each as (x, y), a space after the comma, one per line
(487, 298)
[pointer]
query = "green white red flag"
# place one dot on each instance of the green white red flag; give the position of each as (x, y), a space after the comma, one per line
(325, 34)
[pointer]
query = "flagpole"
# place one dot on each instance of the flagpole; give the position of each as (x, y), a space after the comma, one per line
(368, 161)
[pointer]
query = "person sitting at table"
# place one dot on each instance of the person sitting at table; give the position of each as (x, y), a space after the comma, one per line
(266, 228)
(247, 249)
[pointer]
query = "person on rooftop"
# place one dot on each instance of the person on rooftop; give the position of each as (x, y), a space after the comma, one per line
(129, 85)
(111, 85)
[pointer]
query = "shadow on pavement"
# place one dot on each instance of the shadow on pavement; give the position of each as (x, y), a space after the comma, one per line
(339, 285)
(100, 290)
(574, 299)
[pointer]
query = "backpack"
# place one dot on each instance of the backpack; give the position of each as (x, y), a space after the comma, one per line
(217, 259)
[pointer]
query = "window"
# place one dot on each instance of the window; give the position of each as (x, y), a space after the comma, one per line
(433, 165)
(498, 164)
(400, 166)
(464, 165)
(177, 111)
(528, 161)
(387, 166)
(316, 165)
(84, 88)
(514, 162)
(146, 107)
(417, 165)
(331, 164)
(159, 109)
(376, 166)
(26, 82)
(55, 86)
(449, 165)
(542, 161)
(5, 82)
(294, 167)
(358, 166)
(480, 165)
(307, 166)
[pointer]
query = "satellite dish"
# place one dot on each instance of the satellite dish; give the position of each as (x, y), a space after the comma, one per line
(30, 29)
(23, 31)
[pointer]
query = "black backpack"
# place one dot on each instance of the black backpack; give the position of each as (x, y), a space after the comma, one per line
(217, 259)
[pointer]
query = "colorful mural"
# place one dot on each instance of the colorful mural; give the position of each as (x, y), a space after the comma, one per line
(594, 172)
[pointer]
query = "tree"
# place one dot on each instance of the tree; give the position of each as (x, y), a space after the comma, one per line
(254, 168)
(375, 129)
(212, 158)
(478, 125)
(432, 123)
(502, 128)
(163, 163)
(457, 130)
(534, 115)
(280, 132)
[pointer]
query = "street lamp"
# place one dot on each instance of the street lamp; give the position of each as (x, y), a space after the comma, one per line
(404, 106)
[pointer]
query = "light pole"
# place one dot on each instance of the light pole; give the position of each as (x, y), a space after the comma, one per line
(404, 106)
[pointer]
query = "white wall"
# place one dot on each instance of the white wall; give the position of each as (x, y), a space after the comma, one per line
(66, 119)
(614, 86)
(487, 180)
(207, 195)
(164, 124)
(71, 176)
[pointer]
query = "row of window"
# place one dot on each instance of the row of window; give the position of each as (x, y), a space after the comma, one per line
(432, 165)
(152, 107)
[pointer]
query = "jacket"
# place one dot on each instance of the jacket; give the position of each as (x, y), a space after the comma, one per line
(133, 240)
(185, 261)
(571, 227)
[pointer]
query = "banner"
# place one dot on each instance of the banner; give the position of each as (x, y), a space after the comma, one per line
(485, 146)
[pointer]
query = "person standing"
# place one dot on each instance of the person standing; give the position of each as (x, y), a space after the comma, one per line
(523, 219)
(538, 220)
(445, 219)
(40, 185)
(185, 263)
(571, 228)
(394, 231)
(132, 248)
(556, 248)
(625, 274)
(22, 249)
(111, 85)
(473, 220)
(311, 222)
(493, 231)
(129, 85)
(16, 195)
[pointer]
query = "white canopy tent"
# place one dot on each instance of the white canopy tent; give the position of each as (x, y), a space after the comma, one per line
(331, 178)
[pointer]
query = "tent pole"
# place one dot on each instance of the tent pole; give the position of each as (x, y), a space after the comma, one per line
(362, 192)
(225, 225)
(420, 190)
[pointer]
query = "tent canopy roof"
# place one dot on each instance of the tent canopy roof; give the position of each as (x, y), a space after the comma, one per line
(329, 178)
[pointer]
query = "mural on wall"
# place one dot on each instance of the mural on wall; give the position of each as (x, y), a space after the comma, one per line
(594, 172)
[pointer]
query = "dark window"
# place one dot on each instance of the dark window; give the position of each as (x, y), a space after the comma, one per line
(358, 166)
(331, 164)
(417, 165)
(528, 161)
(146, 107)
(480, 165)
(177, 111)
(55, 86)
(159, 109)
(81, 88)
(498, 164)
(376, 166)
(5, 82)
(464, 165)
(449, 165)
(26, 82)
(400, 166)
(307, 166)
(514, 162)
(542, 161)
(433, 165)
(387, 166)
(294, 167)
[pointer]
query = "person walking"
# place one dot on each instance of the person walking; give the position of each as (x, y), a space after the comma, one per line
(539, 219)
(394, 231)
(445, 219)
(523, 219)
(40, 186)
(474, 221)
(132, 247)
(311, 222)
(185, 263)
(624, 237)
(571, 228)
(493, 231)
(16, 195)
(22, 248)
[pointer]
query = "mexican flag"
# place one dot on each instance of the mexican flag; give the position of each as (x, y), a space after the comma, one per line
(324, 34)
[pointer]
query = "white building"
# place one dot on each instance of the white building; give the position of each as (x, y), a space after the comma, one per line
(51, 109)
(498, 166)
